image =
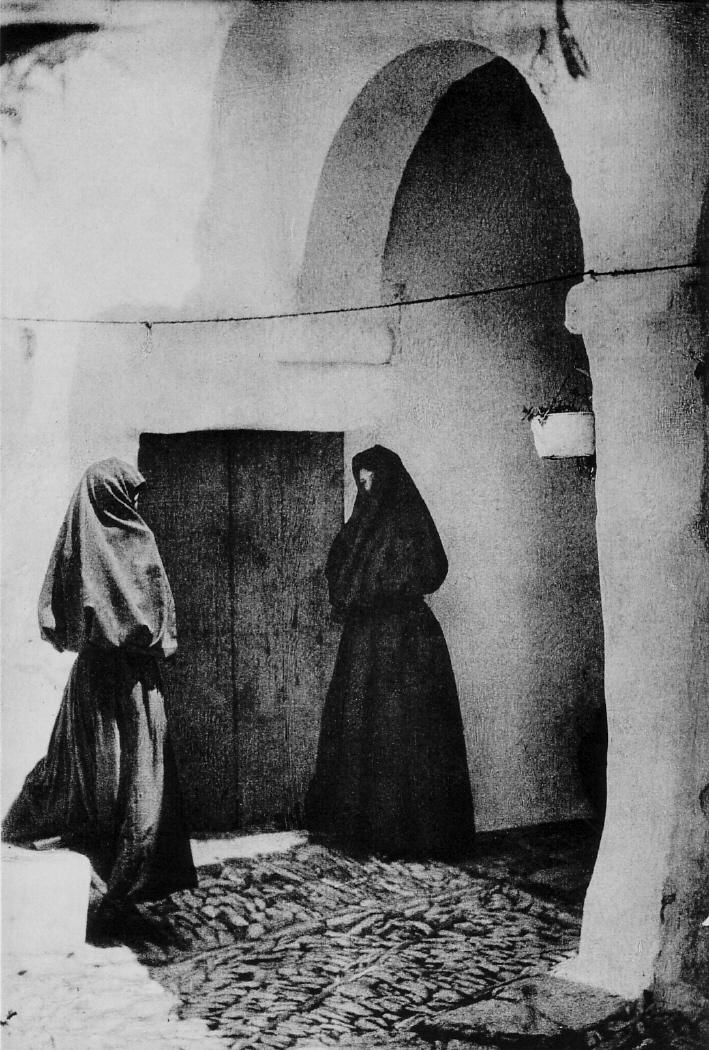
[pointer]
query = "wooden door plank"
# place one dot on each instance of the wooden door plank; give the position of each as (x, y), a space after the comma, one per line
(187, 506)
(287, 505)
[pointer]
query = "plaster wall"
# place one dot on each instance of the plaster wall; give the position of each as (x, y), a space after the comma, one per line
(215, 122)
(649, 884)
(443, 385)
(158, 197)
(75, 393)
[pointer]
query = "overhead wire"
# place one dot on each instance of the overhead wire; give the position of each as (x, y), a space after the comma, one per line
(358, 308)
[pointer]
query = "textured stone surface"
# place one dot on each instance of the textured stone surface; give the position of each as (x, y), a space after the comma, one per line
(573, 1005)
(544, 1011)
(351, 953)
(311, 947)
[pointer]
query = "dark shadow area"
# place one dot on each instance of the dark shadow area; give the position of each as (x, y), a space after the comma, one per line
(21, 38)
(592, 757)
(555, 861)
(702, 367)
(134, 925)
(485, 199)
(485, 202)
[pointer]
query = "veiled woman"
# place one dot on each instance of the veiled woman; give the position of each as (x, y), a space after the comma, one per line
(391, 774)
(108, 784)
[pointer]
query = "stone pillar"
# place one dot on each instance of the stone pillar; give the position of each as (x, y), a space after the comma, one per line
(650, 892)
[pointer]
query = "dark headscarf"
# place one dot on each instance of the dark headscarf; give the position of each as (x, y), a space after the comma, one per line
(106, 584)
(389, 549)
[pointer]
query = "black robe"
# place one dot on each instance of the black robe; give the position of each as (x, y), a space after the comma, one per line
(391, 773)
(108, 785)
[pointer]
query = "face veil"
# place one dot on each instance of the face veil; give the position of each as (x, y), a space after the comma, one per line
(389, 549)
(105, 585)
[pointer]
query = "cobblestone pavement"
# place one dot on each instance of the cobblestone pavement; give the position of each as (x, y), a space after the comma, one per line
(275, 951)
(310, 948)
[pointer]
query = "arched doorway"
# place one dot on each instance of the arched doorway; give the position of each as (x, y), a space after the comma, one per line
(472, 194)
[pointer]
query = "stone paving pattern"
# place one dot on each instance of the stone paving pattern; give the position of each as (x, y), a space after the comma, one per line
(312, 948)
(319, 943)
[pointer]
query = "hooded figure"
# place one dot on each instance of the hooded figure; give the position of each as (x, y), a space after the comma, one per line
(108, 784)
(391, 774)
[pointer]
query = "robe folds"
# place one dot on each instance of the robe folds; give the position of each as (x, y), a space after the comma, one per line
(391, 774)
(108, 784)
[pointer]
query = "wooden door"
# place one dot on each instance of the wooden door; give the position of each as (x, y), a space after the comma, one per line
(244, 521)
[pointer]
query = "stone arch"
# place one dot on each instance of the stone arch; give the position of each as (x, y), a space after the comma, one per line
(349, 221)
(489, 142)
(360, 178)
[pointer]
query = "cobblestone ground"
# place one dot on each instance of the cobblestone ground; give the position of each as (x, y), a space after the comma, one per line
(310, 948)
(274, 952)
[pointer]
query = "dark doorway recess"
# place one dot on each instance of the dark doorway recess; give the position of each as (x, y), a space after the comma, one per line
(244, 521)
(485, 201)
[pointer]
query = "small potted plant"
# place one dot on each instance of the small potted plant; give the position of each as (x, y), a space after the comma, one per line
(564, 428)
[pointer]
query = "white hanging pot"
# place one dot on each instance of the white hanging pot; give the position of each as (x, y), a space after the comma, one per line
(561, 435)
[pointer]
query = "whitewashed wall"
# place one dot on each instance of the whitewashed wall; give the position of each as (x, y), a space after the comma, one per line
(170, 167)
